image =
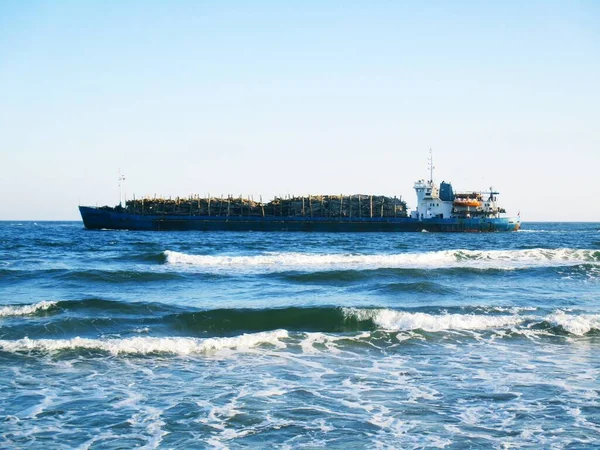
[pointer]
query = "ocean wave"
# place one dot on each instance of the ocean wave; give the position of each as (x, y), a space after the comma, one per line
(91, 306)
(116, 307)
(386, 278)
(82, 317)
(229, 321)
(117, 276)
(392, 320)
(147, 345)
(23, 310)
(578, 325)
(527, 230)
(498, 309)
(326, 319)
(421, 287)
(149, 257)
(101, 276)
(559, 322)
(490, 259)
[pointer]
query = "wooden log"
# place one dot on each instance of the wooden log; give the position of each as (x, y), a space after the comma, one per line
(359, 208)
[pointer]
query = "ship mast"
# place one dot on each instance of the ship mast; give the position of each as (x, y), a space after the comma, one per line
(121, 179)
(431, 167)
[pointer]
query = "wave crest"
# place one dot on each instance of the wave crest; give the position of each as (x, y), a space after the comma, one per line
(23, 310)
(490, 259)
(578, 325)
(147, 345)
(406, 321)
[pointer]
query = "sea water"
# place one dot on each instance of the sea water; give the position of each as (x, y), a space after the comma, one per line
(116, 339)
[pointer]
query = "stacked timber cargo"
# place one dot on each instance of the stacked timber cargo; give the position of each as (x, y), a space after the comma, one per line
(330, 206)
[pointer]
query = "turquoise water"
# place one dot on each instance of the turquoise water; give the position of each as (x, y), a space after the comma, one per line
(299, 340)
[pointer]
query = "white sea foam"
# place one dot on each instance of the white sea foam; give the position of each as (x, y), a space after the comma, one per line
(575, 324)
(148, 345)
(405, 321)
(23, 310)
(491, 259)
(391, 320)
(142, 330)
(34, 410)
(509, 309)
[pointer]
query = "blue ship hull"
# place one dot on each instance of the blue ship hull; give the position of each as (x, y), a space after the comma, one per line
(97, 219)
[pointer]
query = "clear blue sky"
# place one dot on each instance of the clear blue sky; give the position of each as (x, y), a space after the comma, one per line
(278, 98)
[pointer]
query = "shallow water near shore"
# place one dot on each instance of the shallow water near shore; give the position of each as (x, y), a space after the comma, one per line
(116, 339)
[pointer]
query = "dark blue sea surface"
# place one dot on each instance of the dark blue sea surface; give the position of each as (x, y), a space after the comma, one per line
(116, 339)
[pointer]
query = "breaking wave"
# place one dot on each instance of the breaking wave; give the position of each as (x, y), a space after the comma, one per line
(578, 325)
(391, 320)
(491, 259)
(83, 317)
(23, 310)
(147, 345)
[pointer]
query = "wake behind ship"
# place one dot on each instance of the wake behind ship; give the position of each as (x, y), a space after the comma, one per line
(439, 208)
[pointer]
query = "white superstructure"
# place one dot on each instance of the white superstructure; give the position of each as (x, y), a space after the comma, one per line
(429, 203)
(442, 203)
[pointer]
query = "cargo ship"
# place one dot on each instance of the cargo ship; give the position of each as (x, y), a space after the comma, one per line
(438, 208)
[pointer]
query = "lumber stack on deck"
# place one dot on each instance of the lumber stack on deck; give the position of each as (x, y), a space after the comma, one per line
(330, 206)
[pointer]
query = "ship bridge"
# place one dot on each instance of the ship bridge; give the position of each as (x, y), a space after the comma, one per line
(433, 202)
